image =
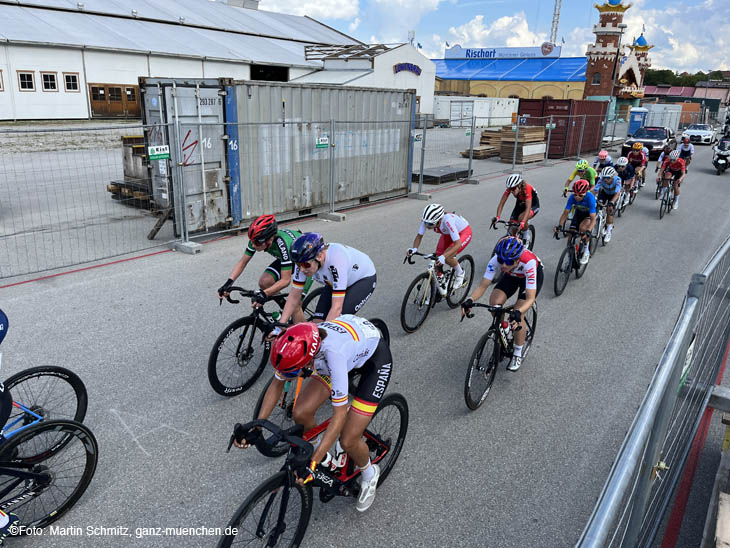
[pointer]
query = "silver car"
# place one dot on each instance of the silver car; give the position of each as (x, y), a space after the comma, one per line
(701, 134)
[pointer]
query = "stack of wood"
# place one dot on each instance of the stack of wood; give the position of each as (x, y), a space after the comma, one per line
(482, 152)
(530, 144)
(491, 137)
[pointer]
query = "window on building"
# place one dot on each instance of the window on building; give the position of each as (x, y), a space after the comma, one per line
(71, 81)
(26, 81)
(596, 80)
(49, 81)
(115, 94)
(270, 73)
(98, 93)
(2, 84)
(131, 95)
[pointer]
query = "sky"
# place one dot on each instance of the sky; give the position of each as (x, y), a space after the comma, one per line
(688, 35)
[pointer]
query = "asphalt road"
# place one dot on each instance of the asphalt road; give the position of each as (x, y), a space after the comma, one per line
(524, 470)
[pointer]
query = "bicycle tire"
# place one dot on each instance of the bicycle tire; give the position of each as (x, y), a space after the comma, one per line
(662, 204)
(459, 295)
(60, 437)
(309, 304)
(531, 320)
(562, 273)
(670, 201)
(658, 191)
(580, 269)
(422, 309)
(281, 416)
(267, 493)
(593, 242)
(632, 195)
(240, 362)
(36, 389)
(391, 403)
(533, 235)
(479, 369)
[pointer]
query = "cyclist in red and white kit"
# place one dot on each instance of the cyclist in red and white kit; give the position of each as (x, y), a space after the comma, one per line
(676, 166)
(455, 236)
(638, 159)
(527, 206)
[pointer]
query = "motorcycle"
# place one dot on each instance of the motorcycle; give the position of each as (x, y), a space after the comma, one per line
(721, 157)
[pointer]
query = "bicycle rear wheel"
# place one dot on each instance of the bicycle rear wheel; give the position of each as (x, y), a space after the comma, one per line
(562, 273)
(256, 521)
(281, 416)
(456, 296)
(531, 321)
(419, 298)
(481, 370)
(658, 191)
(66, 465)
(580, 269)
(238, 357)
(663, 204)
(49, 391)
(386, 433)
(309, 304)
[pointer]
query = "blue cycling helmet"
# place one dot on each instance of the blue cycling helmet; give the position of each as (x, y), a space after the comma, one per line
(306, 247)
(509, 249)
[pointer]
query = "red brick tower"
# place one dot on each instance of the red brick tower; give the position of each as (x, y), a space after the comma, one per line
(601, 56)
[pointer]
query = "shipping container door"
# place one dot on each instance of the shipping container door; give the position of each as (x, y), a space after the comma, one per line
(158, 132)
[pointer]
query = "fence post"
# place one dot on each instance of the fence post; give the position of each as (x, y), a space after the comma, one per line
(580, 139)
(613, 133)
(550, 132)
(517, 138)
(471, 152)
(423, 154)
(332, 165)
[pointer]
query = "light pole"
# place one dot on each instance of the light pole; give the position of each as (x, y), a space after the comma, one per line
(622, 27)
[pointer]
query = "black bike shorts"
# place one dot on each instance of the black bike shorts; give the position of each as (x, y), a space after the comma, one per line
(355, 297)
(374, 379)
(520, 208)
(510, 284)
(275, 270)
(578, 217)
(604, 197)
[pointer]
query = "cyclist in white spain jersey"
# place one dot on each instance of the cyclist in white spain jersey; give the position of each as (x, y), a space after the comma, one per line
(348, 276)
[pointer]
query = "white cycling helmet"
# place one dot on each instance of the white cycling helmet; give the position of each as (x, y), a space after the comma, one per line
(622, 162)
(514, 180)
(608, 172)
(432, 214)
(674, 155)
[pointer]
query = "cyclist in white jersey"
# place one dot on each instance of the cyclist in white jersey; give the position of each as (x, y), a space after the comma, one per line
(455, 236)
(329, 351)
(347, 274)
(686, 151)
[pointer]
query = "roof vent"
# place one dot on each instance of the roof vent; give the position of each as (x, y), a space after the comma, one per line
(134, 13)
(250, 4)
(80, 6)
(182, 20)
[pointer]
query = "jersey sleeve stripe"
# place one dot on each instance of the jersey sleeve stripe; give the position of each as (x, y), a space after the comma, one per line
(339, 401)
(364, 408)
(339, 293)
(348, 327)
(298, 285)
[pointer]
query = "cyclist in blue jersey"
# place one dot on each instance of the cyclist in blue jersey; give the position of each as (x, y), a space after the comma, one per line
(608, 188)
(584, 218)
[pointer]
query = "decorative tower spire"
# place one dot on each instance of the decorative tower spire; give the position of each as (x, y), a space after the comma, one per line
(601, 55)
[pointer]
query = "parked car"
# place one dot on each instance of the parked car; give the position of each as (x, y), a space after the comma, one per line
(700, 133)
(653, 137)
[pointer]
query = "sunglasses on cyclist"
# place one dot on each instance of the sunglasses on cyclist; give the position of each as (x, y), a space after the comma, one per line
(429, 225)
(507, 262)
(307, 264)
(259, 242)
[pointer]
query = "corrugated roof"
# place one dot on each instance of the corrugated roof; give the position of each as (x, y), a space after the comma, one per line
(78, 28)
(712, 93)
(562, 69)
(338, 77)
(215, 14)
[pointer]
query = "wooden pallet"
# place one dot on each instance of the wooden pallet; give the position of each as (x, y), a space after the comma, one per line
(491, 138)
(482, 152)
(528, 134)
(526, 153)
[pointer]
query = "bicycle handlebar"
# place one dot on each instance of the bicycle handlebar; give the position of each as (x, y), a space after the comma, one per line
(410, 260)
(501, 222)
(492, 308)
(303, 450)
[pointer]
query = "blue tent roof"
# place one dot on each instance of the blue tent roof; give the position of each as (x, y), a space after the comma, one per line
(562, 69)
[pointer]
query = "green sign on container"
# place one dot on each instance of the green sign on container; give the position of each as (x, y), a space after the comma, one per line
(160, 152)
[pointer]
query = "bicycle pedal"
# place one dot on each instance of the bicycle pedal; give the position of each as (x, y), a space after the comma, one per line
(325, 496)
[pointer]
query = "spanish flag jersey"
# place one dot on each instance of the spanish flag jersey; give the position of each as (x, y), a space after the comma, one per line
(350, 342)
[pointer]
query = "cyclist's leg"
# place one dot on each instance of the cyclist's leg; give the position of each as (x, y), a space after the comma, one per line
(358, 294)
(314, 393)
(521, 298)
(323, 305)
(271, 275)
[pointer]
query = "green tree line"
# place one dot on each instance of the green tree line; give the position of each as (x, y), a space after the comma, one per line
(657, 77)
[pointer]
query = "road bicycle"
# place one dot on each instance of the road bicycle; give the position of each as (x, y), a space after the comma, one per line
(569, 259)
(496, 345)
(240, 352)
(623, 200)
(599, 228)
(512, 231)
(277, 512)
(283, 413)
(666, 200)
(423, 294)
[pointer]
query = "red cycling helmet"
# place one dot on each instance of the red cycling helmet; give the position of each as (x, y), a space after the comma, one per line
(581, 187)
(296, 347)
(263, 228)
(603, 155)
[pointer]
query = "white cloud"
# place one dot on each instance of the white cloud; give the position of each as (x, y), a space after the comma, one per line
(395, 18)
(353, 26)
(510, 31)
(318, 9)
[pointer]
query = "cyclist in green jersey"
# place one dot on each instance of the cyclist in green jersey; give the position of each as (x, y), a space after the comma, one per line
(265, 235)
(582, 171)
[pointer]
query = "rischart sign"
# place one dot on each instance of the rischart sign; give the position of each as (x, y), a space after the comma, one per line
(545, 51)
(410, 67)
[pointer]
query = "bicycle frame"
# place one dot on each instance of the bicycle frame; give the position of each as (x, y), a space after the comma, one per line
(27, 413)
(31, 479)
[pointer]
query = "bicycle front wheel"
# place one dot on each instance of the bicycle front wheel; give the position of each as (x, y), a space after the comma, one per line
(482, 369)
(417, 302)
(532, 237)
(309, 304)
(49, 391)
(281, 416)
(65, 467)
(562, 273)
(663, 204)
(275, 514)
(531, 321)
(386, 433)
(238, 357)
(456, 296)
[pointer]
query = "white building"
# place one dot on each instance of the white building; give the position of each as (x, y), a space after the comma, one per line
(65, 59)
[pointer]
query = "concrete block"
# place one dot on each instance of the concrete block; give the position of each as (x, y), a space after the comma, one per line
(419, 196)
(190, 248)
(337, 217)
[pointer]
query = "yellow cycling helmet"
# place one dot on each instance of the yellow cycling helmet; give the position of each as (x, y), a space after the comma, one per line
(582, 165)
(638, 146)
